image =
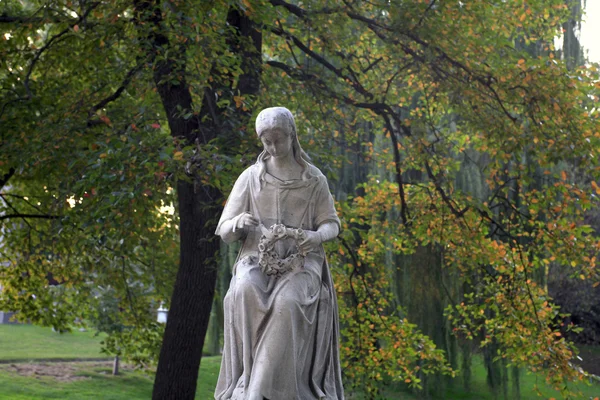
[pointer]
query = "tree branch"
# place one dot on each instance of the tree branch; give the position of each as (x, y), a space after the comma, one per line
(358, 87)
(429, 7)
(20, 215)
(376, 27)
(307, 77)
(117, 93)
(300, 12)
(442, 192)
(54, 38)
(404, 214)
(8, 19)
(6, 177)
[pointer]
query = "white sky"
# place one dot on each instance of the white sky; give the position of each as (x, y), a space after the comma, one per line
(590, 30)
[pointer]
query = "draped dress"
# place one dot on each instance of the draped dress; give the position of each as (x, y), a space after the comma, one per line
(281, 334)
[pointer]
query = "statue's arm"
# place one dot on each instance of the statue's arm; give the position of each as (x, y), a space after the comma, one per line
(328, 230)
(235, 217)
(236, 227)
(229, 232)
(326, 220)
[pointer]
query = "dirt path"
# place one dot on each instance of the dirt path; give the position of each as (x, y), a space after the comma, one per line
(53, 360)
(60, 371)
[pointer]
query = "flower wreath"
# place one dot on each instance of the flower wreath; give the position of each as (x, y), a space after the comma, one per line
(269, 260)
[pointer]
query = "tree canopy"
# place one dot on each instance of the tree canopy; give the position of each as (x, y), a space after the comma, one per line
(454, 134)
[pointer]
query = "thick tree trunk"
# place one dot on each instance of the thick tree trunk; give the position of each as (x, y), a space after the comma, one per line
(199, 204)
(189, 313)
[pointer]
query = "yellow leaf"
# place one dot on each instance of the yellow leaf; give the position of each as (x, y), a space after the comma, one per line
(178, 155)
(239, 100)
(248, 5)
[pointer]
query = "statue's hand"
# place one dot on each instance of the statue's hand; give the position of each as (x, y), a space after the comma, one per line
(245, 220)
(311, 241)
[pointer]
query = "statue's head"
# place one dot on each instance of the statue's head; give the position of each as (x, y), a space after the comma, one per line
(276, 118)
(280, 120)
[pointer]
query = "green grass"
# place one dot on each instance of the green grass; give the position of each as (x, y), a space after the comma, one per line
(480, 391)
(28, 342)
(25, 342)
(130, 385)
(99, 384)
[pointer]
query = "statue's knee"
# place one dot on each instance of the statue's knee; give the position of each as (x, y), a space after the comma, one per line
(244, 286)
(286, 302)
(227, 300)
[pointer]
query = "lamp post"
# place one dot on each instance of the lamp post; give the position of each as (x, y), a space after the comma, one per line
(161, 314)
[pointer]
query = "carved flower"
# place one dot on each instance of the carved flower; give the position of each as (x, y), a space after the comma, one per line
(279, 231)
(261, 247)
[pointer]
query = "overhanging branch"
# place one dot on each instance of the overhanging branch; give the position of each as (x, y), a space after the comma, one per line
(52, 40)
(20, 215)
(117, 93)
(7, 177)
(352, 79)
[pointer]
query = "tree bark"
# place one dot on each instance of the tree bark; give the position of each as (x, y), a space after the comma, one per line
(198, 204)
(115, 370)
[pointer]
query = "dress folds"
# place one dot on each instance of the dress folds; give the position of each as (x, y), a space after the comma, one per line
(281, 334)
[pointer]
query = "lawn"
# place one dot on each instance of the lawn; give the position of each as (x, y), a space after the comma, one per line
(93, 380)
(23, 342)
(528, 382)
(67, 380)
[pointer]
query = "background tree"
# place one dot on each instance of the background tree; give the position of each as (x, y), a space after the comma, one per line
(453, 89)
(453, 138)
(97, 82)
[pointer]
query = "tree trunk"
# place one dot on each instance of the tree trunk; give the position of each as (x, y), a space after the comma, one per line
(199, 204)
(115, 370)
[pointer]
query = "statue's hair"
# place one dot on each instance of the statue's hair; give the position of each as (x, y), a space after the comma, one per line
(281, 118)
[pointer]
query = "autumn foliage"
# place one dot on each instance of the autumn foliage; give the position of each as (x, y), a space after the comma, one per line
(451, 131)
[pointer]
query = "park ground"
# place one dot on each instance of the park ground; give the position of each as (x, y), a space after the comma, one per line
(36, 363)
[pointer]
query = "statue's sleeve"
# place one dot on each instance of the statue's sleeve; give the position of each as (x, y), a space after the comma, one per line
(237, 202)
(324, 207)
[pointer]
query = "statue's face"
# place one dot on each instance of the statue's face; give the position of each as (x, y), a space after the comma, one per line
(276, 142)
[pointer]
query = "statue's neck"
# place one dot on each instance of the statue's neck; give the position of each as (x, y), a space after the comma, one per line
(284, 168)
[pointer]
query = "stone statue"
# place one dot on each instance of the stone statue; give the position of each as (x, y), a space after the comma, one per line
(281, 319)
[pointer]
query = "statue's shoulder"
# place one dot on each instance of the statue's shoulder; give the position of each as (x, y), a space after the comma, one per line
(316, 173)
(249, 172)
(241, 183)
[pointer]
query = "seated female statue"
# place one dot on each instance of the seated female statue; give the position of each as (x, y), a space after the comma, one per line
(281, 322)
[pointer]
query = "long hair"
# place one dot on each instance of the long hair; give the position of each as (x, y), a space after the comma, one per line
(281, 118)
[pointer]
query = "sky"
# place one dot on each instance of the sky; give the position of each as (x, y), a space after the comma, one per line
(590, 30)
